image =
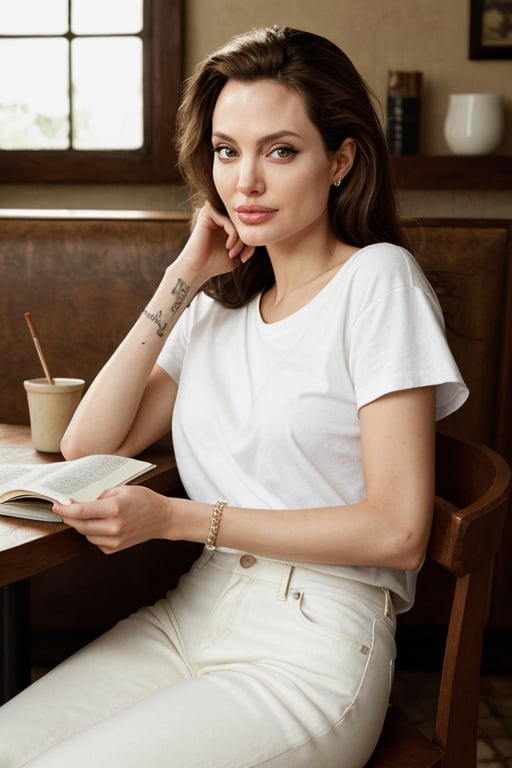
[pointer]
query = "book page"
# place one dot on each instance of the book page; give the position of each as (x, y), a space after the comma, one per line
(21, 475)
(9, 472)
(82, 479)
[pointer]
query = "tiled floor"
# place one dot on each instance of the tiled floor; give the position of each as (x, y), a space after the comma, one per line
(415, 693)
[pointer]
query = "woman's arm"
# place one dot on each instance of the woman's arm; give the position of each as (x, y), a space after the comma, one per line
(129, 404)
(388, 528)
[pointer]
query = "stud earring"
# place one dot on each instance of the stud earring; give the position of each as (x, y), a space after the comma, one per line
(337, 183)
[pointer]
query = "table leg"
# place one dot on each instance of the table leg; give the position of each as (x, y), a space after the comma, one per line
(14, 638)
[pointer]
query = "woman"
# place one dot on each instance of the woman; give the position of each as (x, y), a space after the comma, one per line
(303, 383)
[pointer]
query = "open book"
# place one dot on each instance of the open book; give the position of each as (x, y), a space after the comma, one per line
(29, 490)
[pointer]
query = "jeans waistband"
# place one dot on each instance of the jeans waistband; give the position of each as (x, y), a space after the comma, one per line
(289, 577)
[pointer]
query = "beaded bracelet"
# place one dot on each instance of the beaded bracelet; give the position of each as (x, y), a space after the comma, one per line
(214, 524)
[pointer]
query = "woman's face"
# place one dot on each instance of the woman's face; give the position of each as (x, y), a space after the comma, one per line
(271, 168)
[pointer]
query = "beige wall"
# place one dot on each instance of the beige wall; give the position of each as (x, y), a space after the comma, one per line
(427, 35)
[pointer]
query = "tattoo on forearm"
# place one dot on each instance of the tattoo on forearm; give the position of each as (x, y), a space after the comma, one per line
(156, 317)
(180, 290)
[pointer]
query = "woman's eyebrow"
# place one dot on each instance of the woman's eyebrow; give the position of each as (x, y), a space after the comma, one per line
(264, 139)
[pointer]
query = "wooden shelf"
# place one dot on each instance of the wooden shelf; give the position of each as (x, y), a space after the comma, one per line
(444, 172)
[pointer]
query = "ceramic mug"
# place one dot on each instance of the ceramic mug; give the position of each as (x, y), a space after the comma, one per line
(474, 123)
(51, 407)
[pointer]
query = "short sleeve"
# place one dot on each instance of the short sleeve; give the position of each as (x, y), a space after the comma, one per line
(173, 352)
(172, 356)
(398, 342)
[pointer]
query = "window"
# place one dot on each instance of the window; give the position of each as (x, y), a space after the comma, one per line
(95, 93)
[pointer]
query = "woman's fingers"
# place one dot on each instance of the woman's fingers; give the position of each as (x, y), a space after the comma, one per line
(235, 247)
(121, 517)
(215, 247)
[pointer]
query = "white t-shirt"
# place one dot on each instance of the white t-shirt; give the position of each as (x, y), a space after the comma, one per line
(266, 415)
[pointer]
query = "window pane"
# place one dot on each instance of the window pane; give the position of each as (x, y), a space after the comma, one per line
(107, 89)
(106, 17)
(33, 98)
(33, 17)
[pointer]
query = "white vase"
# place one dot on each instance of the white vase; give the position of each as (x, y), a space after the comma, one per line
(474, 123)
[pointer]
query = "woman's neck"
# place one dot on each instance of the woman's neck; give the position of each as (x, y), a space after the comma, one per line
(299, 277)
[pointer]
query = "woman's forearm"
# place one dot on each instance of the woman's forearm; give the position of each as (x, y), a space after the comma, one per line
(363, 533)
(108, 410)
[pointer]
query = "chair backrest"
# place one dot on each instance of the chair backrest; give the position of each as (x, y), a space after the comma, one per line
(472, 486)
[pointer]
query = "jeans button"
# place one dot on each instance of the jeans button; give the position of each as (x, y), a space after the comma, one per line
(247, 561)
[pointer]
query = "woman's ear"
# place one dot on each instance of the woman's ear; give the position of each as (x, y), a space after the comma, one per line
(345, 157)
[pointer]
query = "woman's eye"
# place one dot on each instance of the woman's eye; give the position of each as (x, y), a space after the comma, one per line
(283, 153)
(225, 153)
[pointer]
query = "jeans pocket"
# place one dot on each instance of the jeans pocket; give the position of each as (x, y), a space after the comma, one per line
(331, 620)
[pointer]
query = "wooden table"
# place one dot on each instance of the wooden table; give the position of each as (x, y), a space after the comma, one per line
(28, 547)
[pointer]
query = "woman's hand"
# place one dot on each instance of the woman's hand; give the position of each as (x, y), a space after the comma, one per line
(120, 518)
(214, 247)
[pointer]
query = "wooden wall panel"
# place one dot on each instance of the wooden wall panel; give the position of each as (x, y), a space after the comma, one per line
(84, 281)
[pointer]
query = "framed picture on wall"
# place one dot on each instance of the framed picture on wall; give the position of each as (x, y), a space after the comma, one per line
(490, 29)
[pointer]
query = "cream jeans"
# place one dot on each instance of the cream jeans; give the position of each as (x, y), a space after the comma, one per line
(247, 663)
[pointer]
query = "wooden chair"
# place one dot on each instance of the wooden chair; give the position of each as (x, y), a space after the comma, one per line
(472, 485)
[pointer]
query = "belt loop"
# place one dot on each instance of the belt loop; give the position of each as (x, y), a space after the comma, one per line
(285, 582)
(389, 608)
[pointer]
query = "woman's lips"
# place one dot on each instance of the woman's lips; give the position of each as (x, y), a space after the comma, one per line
(254, 214)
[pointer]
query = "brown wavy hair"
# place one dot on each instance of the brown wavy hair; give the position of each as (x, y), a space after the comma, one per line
(338, 102)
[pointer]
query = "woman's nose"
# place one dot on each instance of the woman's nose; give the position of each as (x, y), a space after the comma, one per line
(249, 180)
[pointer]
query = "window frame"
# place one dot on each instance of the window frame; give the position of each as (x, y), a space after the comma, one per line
(156, 161)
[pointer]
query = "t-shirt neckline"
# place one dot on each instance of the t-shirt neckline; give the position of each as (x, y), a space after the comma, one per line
(309, 306)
